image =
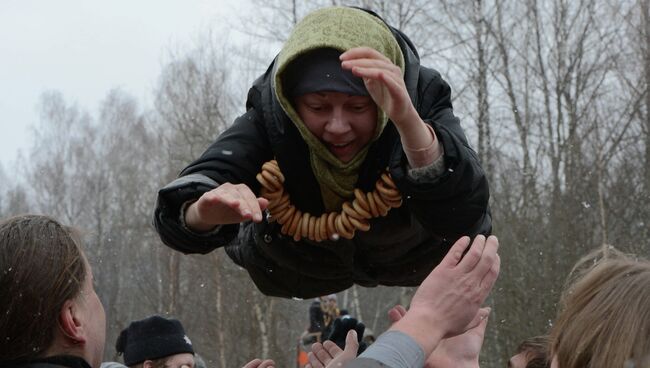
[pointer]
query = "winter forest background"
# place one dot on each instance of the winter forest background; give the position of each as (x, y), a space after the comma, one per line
(553, 94)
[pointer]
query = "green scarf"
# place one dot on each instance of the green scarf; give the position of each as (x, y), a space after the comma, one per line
(341, 28)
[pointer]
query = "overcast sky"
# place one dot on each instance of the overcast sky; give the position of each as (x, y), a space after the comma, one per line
(84, 48)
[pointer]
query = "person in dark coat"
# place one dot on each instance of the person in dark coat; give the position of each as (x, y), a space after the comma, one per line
(322, 312)
(348, 166)
(316, 317)
(154, 342)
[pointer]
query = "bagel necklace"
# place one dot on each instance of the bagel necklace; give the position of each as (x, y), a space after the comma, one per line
(353, 216)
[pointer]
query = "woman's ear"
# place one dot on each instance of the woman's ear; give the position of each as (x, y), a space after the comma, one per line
(147, 364)
(70, 324)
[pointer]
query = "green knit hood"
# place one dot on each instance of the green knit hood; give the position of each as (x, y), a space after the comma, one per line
(340, 28)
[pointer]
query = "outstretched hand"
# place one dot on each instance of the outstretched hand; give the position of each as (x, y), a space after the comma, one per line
(445, 306)
(340, 328)
(450, 297)
(329, 355)
(458, 351)
(225, 204)
(385, 83)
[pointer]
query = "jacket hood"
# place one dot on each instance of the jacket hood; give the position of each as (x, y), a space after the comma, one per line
(263, 96)
(340, 28)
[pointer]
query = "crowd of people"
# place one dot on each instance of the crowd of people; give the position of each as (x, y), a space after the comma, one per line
(55, 319)
(350, 168)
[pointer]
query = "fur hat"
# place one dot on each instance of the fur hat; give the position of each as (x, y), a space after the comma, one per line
(152, 338)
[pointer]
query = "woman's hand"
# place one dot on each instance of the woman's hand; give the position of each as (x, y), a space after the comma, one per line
(448, 300)
(458, 351)
(384, 82)
(225, 204)
(461, 351)
(329, 355)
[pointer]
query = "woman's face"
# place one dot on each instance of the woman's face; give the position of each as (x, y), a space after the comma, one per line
(345, 124)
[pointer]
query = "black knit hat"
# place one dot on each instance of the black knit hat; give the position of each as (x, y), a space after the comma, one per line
(320, 70)
(152, 338)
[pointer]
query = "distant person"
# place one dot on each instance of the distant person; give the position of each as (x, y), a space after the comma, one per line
(155, 342)
(603, 318)
(322, 312)
(339, 330)
(531, 353)
(348, 167)
(52, 317)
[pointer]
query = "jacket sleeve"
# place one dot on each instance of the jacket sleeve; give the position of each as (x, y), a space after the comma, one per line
(235, 157)
(392, 349)
(455, 203)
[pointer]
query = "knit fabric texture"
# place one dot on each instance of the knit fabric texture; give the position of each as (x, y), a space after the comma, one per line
(340, 28)
(152, 338)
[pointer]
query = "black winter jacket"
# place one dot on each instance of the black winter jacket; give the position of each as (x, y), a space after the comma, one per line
(399, 249)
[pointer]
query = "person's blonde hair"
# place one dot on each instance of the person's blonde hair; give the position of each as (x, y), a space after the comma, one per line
(604, 314)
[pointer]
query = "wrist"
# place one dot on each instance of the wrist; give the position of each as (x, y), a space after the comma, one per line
(422, 328)
(193, 219)
(427, 151)
(407, 125)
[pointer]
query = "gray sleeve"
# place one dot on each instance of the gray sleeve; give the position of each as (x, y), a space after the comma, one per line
(393, 349)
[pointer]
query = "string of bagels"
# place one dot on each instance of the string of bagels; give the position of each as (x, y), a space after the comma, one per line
(355, 214)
